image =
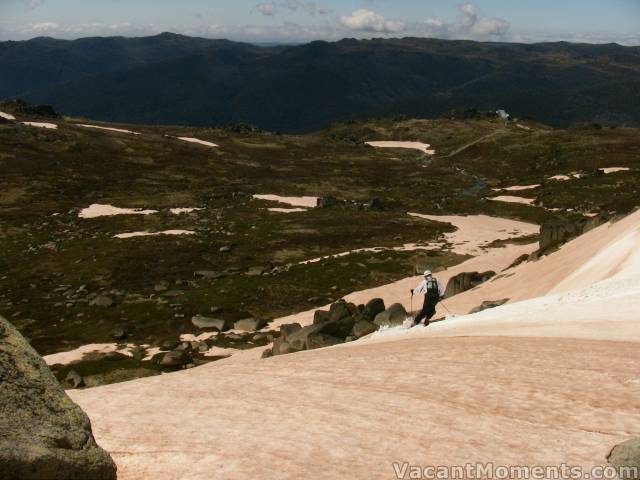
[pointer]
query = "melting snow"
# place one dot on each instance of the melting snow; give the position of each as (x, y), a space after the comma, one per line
(98, 210)
(198, 141)
(287, 210)
(154, 234)
(308, 202)
(111, 129)
(178, 211)
(511, 199)
(50, 126)
(517, 188)
(423, 147)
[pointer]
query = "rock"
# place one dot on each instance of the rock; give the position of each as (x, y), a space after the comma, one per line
(321, 340)
(44, 435)
(208, 323)
(281, 347)
(624, 457)
(225, 249)
(321, 316)
(234, 337)
(102, 301)
(167, 345)
(393, 316)
(338, 310)
(118, 333)
(466, 281)
(207, 274)
(489, 304)
(374, 204)
(288, 329)
(364, 328)
(161, 287)
(267, 353)
(556, 232)
(74, 379)
(255, 271)
(175, 359)
(297, 340)
(258, 337)
(172, 293)
(326, 201)
(249, 324)
(339, 328)
(373, 308)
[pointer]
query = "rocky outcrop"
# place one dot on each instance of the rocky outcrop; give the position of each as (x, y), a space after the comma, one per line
(209, 323)
(44, 435)
(392, 317)
(488, 304)
(625, 457)
(466, 281)
(556, 232)
(343, 322)
(249, 324)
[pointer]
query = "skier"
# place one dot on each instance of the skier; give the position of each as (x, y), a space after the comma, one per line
(433, 292)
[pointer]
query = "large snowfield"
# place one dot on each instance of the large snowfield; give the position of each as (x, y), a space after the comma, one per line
(549, 378)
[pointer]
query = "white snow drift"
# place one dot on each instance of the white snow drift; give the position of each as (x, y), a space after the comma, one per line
(47, 125)
(512, 199)
(7, 116)
(306, 202)
(154, 234)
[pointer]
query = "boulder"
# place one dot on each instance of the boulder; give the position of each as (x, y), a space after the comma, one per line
(373, 308)
(74, 379)
(338, 328)
(556, 232)
(624, 457)
(393, 316)
(175, 359)
(321, 340)
(208, 323)
(102, 301)
(267, 353)
(321, 316)
(249, 324)
(326, 201)
(466, 281)
(168, 345)
(488, 304)
(44, 435)
(281, 347)
(338, 310)
(118, 333)
(363, 328)
(297, 340)
(288, 329)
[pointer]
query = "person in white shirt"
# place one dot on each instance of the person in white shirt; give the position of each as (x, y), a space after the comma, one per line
(433, 292)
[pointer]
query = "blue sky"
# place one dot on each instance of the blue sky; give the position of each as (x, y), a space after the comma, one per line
(302, 20)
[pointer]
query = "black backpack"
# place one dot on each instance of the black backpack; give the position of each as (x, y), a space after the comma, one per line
(432, 289)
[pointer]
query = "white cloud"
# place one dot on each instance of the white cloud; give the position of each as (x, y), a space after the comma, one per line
(364, 20)
(312, 8)
(267, 9)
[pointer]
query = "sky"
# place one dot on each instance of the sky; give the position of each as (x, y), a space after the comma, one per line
(292, 21)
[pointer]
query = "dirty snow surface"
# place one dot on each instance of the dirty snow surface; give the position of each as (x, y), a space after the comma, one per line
(198, 141)
(549, 378)
(98, 210)
(423, 147)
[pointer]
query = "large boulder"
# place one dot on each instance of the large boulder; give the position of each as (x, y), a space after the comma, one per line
(209, 323)
(625, 457)
(298, 340)
(249, 324)
(175, 358)
(339, 310)
(373, 308)
(466, 281)
(321, 316)
(321, 340)
(288, 329)
(363, 328)
(392, 317)
(487, 304)
(44, 435)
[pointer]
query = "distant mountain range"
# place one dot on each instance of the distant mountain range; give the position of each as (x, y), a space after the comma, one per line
(174, 79)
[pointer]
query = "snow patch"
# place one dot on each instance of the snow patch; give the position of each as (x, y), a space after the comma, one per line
(77, 354)
(512, 199)
(7, 116)
(423, 147)
(154, 234)
(178, 211)
(287, 210)
(98, 210)
(198, 141)
(308, 202)
(49, 126)
(111, 129)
